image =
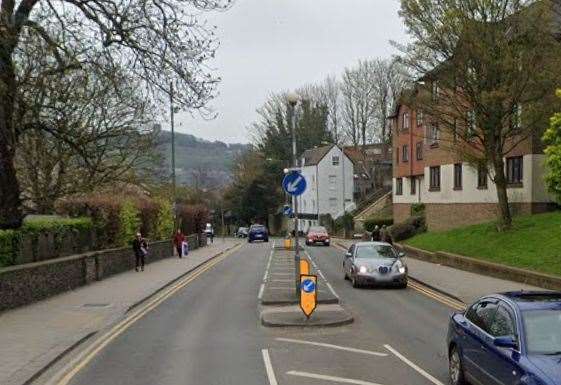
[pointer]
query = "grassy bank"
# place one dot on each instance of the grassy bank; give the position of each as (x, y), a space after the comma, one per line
(534, 243)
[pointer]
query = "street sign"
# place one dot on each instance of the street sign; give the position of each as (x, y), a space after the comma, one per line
(294, 183)
(304, 267)
(308, 294)
(287, 210)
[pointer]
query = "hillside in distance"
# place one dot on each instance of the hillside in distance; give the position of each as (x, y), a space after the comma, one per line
(198, 162)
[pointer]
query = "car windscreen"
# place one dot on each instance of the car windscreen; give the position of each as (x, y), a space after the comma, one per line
(375, 252)
(543, 331)
(258, 228)
(320, 230)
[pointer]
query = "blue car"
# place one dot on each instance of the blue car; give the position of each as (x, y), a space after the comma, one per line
(257, 233)
(510, 339)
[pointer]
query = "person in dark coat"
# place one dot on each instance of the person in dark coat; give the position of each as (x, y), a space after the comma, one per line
(376, 234)
(140, 248)
(178, 240)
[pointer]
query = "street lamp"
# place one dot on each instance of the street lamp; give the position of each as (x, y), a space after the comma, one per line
(292, 99)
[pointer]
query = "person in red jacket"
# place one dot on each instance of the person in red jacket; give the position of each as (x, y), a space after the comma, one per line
(178, 240)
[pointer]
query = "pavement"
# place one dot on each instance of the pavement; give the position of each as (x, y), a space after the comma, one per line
(34, 336)
(458, 284)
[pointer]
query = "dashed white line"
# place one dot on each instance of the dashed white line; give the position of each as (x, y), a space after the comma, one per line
(340, 380)
(413, 366)
(269, 367)
(260, 295)
(331, 346)
(322, 276)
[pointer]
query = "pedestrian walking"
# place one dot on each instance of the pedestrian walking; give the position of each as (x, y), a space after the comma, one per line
(376, 234)
(178, 241)
(140, 248)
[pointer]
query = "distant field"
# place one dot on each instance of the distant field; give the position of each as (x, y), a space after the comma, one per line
(534, 243)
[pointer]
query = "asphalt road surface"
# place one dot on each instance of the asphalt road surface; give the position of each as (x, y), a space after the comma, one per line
(208, 333)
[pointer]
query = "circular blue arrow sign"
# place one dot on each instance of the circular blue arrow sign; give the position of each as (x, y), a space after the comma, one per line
(287, 210)
(294, 183)
(308, 286)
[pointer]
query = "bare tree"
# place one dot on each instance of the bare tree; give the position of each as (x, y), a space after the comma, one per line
(158, 41)
(358, 90)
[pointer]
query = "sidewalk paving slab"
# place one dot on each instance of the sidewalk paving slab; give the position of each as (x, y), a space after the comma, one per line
(460, 284)
(33, 336)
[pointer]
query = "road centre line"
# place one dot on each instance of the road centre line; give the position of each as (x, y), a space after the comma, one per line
(340, 380)
(331, 346)
(84, 358)
(269, 367)
(413, 366)
(437, 296)
(266, 275)
(260, 295)
(321, 275)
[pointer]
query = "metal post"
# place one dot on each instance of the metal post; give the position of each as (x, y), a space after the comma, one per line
(172, 112)
(292, 118)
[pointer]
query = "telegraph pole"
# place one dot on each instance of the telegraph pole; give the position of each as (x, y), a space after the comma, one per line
(292, 101)
(172, 113)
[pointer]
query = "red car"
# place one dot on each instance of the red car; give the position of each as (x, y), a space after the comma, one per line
(317, 234)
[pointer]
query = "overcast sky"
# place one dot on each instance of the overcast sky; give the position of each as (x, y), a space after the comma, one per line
(274, 45)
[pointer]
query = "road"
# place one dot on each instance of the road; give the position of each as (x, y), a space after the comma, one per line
(208, 333)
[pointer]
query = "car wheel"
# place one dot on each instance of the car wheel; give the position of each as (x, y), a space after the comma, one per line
(326, 244)
(403, 285)
(346, 276)
(248, 240)
(455, 369)
(266, 239)
(354, 281)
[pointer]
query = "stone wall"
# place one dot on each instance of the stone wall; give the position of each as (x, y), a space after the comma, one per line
(24, 284)
(401, 211)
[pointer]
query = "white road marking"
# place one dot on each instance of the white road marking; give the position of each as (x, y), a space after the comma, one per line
(260, 295)
(413, 366)
(322, 276)
(340, 380)
(266, 275)
(269, 367)
(330, 346)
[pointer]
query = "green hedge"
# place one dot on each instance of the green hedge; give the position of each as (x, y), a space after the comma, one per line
(10, 240)
(405, 230)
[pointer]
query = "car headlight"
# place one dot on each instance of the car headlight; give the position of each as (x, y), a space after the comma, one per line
(363, 269)
(400, 267)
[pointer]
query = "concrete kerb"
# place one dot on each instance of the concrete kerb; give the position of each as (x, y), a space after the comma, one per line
(89, 336)
(491, 269)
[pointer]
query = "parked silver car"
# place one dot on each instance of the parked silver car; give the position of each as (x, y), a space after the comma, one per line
(375, 263)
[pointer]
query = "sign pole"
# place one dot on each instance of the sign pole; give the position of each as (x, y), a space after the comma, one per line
(292, 115)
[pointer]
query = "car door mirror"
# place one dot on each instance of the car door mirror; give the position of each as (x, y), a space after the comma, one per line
(506, 342)
(348, 254)
(401, 254)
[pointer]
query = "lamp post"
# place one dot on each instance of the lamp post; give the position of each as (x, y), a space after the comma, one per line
(292, 100)
(172, 113)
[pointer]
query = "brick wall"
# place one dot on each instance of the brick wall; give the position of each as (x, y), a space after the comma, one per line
(401, 211)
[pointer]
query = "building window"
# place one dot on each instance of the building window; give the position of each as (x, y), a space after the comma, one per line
(405, 122)
(434, 178)
(482, 177)
(335, 160)
(455, 130)
(413, 185)
(419, 150)
(458, 176)
(471, 124)
(332, 181)
(405, 154)
(434, 134)
(399, 186)
(435, 90)
(419, 118)
(333, 202)
(397, 156)
(514, 170)
(313, 205)
(516, 118)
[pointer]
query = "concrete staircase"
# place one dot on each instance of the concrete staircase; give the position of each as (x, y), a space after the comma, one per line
(378, 206)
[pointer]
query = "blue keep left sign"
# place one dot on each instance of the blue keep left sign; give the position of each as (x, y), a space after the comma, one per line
(308, 286)
(294, 183)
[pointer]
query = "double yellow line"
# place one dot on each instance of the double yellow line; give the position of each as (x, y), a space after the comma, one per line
(433, 294)
(85, 357)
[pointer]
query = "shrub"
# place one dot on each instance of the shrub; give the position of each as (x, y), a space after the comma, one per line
(165, 221)
(411, 227)
(9, 246)
(193, 218)
(371, 223)
(129, 221)
(417, 209)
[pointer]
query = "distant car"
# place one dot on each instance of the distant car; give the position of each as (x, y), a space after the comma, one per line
(257, 233)
(317, 234)
(509, 338)
(375, 263)
(242, 232)
(209, 230)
